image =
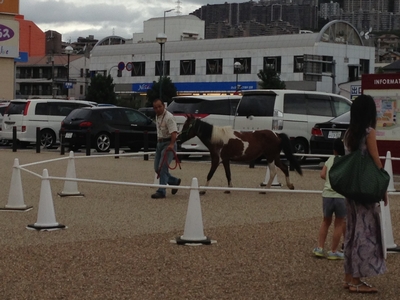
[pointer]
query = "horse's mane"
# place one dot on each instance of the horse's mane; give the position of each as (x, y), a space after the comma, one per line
(216, 134)
(221, 134)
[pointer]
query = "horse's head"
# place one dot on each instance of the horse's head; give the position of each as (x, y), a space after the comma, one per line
(188, 129)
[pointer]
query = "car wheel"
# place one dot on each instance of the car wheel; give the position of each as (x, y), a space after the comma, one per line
(300, 146)
(47, 138)
(103, 142)
(4, 142)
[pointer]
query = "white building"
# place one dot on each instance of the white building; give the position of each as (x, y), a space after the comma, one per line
(177, 28)
(316, 61)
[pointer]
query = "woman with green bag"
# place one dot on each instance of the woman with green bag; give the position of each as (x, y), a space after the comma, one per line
(363, 254)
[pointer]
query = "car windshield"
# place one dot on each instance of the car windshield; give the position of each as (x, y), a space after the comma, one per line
(344, 118)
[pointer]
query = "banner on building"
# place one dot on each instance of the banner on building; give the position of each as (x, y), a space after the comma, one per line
(9, 38)
(9, 7)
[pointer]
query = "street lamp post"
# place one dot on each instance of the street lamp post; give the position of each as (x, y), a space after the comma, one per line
(162, 60)
(161, 39)
(166, 11)
(237, 66)
(69, 50)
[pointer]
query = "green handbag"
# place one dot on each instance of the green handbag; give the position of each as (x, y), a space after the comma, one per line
(357, 177)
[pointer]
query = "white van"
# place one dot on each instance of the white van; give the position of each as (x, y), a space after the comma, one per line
(47, 114)
(216, 110)
(289, 111)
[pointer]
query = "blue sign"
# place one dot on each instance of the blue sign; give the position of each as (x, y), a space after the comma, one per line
(22, 57)
(201, 86)
(121, 65)
(68, 85)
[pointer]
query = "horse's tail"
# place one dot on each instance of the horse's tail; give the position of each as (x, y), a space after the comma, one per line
(287, 149)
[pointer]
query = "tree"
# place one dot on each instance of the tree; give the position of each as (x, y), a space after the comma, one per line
(270, 79)
(101, 90)
(168, 91)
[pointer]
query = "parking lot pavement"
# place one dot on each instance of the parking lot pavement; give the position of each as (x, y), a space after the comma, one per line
(117, 242)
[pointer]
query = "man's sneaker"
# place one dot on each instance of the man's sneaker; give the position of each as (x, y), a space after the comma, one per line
(158, 195)
(319, 252)
(174, 191)
(335, 255)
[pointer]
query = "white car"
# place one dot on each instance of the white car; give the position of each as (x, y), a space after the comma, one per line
(3, 107)
(27, 115)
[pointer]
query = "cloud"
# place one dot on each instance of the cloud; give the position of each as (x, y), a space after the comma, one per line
(101, 18)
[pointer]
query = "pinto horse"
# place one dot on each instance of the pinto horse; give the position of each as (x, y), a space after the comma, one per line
(227, 145)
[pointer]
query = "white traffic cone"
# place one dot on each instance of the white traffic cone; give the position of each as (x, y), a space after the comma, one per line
(46, 219)
(70, 186)
(193, 233)
(382, 217)
(16, 194)
(388, 168)
(275, 182)
(388, 232)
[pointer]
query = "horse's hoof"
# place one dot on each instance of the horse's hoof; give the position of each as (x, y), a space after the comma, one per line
(291, 187)
(202, 193)
(227, 192)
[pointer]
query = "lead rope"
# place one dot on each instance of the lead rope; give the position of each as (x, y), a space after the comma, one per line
(165, 161)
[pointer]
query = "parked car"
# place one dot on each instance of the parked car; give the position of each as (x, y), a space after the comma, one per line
(292, 112)
(3, 107)
(29, 114)
(103, 123)
(323, 134)
(148, 111)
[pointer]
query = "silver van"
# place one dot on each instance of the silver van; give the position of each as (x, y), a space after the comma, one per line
(292, 112)
(28, 114)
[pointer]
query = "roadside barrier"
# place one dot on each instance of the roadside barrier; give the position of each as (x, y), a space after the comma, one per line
(275, 182)
(70, 186)
(193, 231)
(46, 219)
(16, 194)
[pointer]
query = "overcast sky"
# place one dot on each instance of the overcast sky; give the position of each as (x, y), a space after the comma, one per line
(101, 18)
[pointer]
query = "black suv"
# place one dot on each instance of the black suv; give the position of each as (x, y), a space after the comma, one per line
(101, 123)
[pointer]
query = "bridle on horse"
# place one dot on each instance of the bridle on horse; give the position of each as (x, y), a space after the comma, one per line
(192, 124)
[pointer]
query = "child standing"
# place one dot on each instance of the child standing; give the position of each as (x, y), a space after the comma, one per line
(333, 203)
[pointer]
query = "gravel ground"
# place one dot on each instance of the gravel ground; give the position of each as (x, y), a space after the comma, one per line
(117, 244)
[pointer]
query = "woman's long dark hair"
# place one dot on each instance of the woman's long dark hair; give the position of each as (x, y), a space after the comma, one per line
(362, 116)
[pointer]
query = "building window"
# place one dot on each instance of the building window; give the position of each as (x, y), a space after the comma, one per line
(81, 73)
(81, 89)
(245, 65)
(138, 68)
(214, 66)
(188, 67)
(272, 63)
(298, 63)
(327, 67)
(364, 66)
(159, 68)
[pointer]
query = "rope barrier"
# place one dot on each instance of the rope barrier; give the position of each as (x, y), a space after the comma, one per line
(271, 190)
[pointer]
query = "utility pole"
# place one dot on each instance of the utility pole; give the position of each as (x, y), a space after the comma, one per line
(53, 87)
